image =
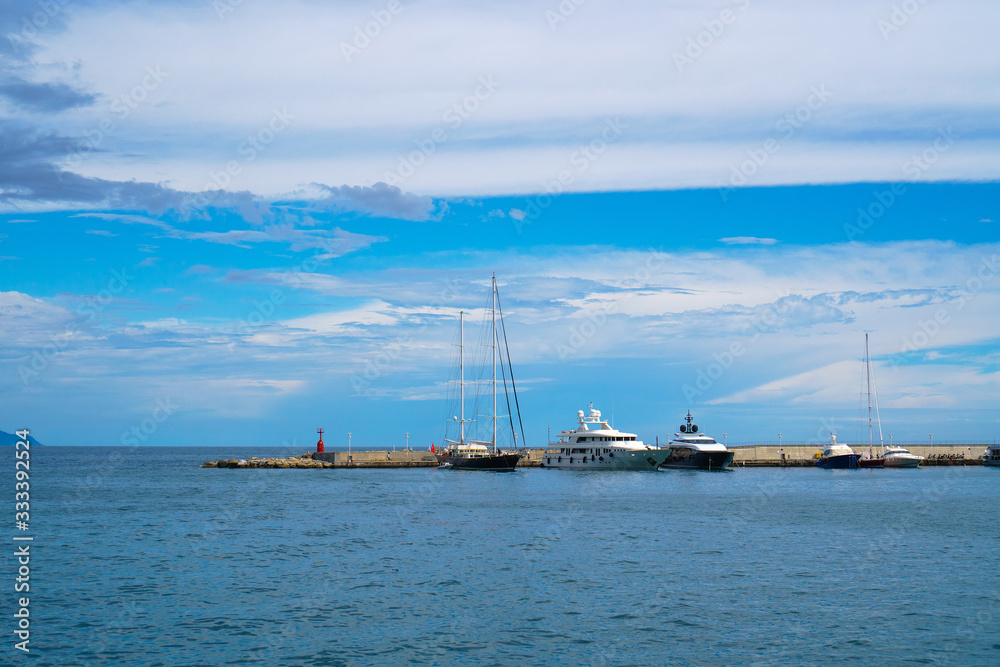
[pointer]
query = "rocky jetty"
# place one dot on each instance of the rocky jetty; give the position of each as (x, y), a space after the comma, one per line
(301, 461)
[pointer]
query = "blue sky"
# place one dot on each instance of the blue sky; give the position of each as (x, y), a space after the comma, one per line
(267, 223)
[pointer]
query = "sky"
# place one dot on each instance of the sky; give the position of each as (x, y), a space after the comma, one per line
(231, 222)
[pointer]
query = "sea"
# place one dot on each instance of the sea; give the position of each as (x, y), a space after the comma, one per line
(141, 557)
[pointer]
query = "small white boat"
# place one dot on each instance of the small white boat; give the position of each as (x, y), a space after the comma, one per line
(898, 457)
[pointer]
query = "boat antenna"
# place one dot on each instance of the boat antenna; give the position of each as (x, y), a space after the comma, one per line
(513, 386)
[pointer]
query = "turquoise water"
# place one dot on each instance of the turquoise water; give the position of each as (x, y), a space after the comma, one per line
(142, 558)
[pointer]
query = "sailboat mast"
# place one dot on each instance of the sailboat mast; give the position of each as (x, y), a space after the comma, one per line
(494, 313)
(868, 375)
(461, 375)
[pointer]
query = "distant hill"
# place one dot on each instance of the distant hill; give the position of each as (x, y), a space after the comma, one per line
(10, 439)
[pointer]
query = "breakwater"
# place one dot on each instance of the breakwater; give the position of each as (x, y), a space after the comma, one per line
(792, 455)
(769, 456)
(358, 459)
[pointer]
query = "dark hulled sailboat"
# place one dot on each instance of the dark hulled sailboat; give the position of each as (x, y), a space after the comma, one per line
(462, 454)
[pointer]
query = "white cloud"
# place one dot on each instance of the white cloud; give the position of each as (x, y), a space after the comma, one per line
(333, 242)
(48, 327)
(553, 94)
(747, 240)
(373, 313)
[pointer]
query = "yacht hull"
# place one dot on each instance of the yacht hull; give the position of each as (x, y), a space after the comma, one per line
(494, 463)
(649, 459)
(839, 462)
(872, 463)
(698, 460)
(903, 461)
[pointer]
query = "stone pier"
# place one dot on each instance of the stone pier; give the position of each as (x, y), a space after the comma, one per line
(794, 454)
(789, 455)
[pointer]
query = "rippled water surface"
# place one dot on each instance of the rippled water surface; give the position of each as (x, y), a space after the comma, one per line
(143, 558)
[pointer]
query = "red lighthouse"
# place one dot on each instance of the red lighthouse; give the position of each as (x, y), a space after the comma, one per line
(319, 445)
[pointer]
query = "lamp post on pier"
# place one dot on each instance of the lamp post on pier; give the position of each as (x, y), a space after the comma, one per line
(407, 442)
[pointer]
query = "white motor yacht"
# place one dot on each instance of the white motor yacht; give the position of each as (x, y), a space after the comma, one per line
(693, 449)
(595, 445)
(898, 457)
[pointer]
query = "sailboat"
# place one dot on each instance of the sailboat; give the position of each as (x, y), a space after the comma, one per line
(887, 457)
(466, 454)
(869, 459)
